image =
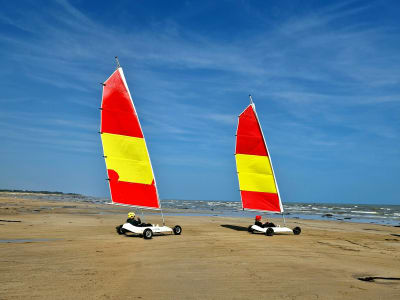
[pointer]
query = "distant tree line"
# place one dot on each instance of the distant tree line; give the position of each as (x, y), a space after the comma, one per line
(39, 192)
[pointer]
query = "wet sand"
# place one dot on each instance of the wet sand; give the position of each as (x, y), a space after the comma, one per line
(55, 250)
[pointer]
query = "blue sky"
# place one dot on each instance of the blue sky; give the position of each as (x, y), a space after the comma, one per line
(324, 76)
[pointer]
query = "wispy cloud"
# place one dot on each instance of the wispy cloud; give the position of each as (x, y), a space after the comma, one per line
(343, 58)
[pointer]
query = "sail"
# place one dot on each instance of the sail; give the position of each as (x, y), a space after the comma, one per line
(129, 169)
(258, 187)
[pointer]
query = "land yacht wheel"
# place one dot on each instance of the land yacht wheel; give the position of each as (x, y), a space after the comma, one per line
(269, 232)
(147, 234)
(249, 229)
(177, 230)
(296, 230)
(120, 230)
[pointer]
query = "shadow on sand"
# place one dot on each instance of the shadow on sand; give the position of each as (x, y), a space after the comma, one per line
(235, 227)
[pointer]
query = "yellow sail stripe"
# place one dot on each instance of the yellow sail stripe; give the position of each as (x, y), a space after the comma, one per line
(255, 173)
(128, 157)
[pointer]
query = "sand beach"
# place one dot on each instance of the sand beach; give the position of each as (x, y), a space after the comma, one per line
(64, 250)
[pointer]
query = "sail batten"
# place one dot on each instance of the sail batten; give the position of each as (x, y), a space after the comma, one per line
(129, 169)
(258, 188)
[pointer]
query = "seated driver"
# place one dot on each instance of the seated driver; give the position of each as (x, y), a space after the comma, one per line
(258, 221)
(265, 225)
(136, 221)
(133, 220)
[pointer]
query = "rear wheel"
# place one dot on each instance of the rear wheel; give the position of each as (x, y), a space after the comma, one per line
(147, 234)
(177, 230)
(269, 232)
(296, 230)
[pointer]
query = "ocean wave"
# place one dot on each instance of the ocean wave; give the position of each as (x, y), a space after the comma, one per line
(356, 213)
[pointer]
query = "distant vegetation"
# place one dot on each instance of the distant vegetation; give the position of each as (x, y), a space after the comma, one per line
(38, 192)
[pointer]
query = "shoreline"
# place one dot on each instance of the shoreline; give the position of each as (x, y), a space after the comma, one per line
(184, 210)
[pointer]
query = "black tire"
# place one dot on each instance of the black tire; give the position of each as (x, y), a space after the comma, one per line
(147, 234)
(296, 230)
(120, 230)
(249, 229)
(269, 232)
(177, 230)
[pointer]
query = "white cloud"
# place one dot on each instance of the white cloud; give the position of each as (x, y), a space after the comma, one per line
(304, 65)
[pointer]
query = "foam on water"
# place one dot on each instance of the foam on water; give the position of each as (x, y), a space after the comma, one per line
(380, 214)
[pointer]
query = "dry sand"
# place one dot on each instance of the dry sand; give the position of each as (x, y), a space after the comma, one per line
(76, 254)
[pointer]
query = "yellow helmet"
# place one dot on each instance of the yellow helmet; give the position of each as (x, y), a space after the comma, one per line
(131, 215)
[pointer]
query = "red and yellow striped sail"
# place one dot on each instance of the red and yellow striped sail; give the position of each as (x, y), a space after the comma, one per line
(127, 160)
(258, 187)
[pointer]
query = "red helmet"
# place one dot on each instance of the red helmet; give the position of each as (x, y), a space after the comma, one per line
(258, 218)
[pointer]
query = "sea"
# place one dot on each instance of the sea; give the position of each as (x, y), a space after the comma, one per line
(359, 213)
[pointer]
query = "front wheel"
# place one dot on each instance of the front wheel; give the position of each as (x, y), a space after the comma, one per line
(249, 229)
(120, 230)
(296, 230)
(177, 230)
(269, 232)
(147, 234)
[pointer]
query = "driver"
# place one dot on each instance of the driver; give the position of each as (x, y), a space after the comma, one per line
(265, 225)
(135, 221)
(258, 221)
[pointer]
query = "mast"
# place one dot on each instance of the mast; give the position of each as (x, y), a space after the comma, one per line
(251, 99)
(117, 61)
(257, 181)
(151, 165)
(130, 172)
(269, 154)
(270, 159)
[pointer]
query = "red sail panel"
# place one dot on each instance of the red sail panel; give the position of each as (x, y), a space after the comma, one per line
(129, 169)
(118, 114)
(260, 201)
(130, 193)
(249, 138)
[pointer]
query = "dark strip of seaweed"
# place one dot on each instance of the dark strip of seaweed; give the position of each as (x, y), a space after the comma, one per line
(372, 278)
(9, 221)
